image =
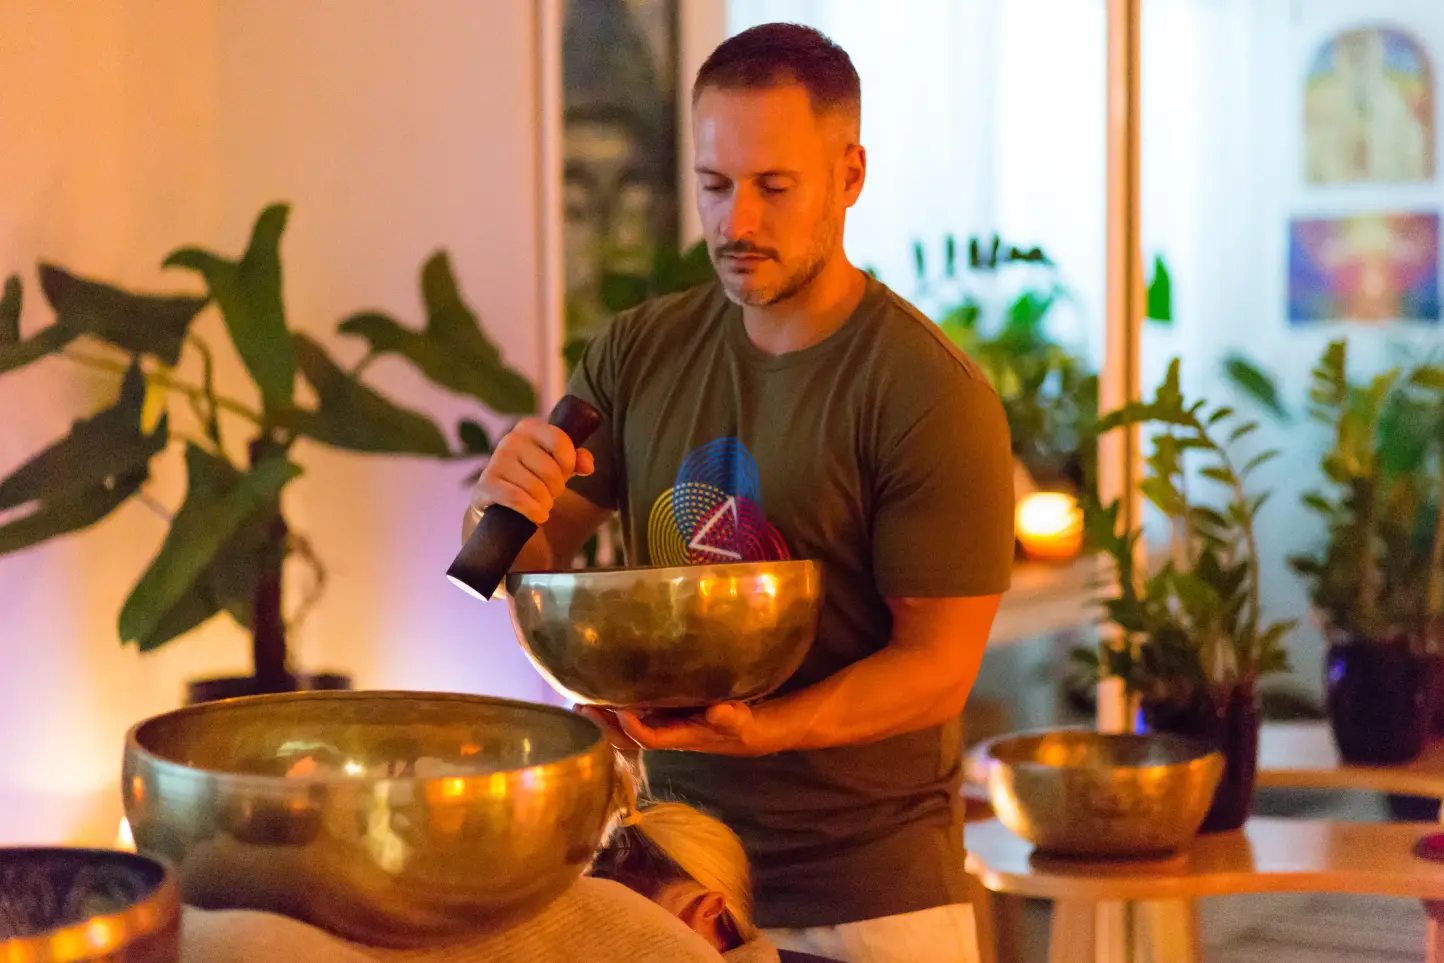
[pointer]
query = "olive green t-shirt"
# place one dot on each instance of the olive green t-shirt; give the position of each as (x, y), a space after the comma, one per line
(881, 452)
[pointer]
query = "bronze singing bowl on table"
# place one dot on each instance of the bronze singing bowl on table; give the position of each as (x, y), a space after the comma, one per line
(1079, 793)
(680, 637)
(389, 818)
(87, 906)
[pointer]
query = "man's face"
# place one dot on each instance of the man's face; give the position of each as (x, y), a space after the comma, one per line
(773, 183)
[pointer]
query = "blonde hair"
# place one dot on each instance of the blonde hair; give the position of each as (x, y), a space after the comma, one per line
(655, 843)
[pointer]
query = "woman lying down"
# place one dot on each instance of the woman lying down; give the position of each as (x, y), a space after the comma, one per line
(672, 885)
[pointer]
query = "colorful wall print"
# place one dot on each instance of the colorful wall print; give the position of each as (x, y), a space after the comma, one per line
(1368, 267)
(619, 89)
(1369, 109)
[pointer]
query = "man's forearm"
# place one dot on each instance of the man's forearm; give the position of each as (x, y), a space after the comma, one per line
(893, 691)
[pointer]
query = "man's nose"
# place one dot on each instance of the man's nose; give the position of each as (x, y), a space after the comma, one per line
(744, 215)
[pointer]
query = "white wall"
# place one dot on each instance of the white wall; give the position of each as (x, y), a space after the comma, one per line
(984, 115)
(132, 129)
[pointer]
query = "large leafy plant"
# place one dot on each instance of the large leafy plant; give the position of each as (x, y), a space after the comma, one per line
(1378, 574)
(228, 540)
(1192, 628)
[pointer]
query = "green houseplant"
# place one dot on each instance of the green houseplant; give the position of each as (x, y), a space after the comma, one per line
(1376, 580)
(1049, 393)
(227, 543)
(1193, 642)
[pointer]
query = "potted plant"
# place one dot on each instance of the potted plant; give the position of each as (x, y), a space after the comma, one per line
(1375, 581)
(228, 542)
(1192, 642)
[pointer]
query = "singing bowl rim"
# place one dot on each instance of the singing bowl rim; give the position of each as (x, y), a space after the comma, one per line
(665, 572)
(136, 750)
(146, 918)
(1195, 753)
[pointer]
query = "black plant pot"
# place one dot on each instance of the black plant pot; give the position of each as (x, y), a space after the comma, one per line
(1230, 724)
(1379, 701)
(231, 687)
(1436, 695)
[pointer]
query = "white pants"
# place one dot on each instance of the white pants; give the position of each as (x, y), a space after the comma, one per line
(945, 934)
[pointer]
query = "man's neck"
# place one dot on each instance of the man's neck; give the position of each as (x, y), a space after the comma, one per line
(810, 315)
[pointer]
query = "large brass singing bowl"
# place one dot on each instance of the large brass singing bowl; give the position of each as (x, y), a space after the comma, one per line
(1083, 793)
(87, 906)
(678, 637)
(395, 819)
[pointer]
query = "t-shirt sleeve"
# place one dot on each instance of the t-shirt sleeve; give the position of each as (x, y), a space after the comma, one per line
(943, 522)
(595, 380)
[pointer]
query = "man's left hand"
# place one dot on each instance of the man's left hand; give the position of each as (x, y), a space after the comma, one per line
(726, 729)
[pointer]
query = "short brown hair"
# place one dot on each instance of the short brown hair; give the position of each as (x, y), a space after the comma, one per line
(772, 54)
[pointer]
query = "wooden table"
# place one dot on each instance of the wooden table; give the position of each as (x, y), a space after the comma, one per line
(1267, 856)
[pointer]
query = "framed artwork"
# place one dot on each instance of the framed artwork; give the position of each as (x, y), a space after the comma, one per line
(1369, 109)
(1367, 268)
(619, 145)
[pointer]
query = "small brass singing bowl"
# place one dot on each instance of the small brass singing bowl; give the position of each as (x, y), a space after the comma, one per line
(395, 819)
(668, 638)
(87, 906)
(1079, 793)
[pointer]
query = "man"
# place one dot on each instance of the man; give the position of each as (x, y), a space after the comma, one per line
(797, 408)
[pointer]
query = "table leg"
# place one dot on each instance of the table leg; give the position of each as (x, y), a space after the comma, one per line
(1116, 933)
(1168, 932)
(1072, 936)
(1434, 934)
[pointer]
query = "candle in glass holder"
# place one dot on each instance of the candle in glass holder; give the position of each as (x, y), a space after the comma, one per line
(1050, 526)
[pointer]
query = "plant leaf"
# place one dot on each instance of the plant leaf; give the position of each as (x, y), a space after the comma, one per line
(1429, 376)
(1242, 431)
(1260, 459)
(139, 323)
(1253, 382)
(473, 437)
(1218, 474)
(10, 303)
(82, 477)
(45, 341)
(453, 351)
(1201, 599)
(1162, 493)
(1160, 292)
(353, 416)
(1318, 503)
(248, 292)
(218, 501)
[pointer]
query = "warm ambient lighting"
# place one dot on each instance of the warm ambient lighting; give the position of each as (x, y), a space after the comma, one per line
(123, 839)
(1050, 526)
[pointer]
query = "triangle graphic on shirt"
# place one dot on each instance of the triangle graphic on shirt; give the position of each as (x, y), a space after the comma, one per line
(699, 540)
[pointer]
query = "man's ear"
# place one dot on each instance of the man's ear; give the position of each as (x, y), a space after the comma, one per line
(705, 912)
(854, 172)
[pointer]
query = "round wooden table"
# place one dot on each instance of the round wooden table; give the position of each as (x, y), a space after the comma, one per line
(1098, 905)
(1268, 855)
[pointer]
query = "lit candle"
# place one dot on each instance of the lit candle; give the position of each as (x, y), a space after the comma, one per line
(1050, 526)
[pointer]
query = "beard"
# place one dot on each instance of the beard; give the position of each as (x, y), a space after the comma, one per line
(798, 276)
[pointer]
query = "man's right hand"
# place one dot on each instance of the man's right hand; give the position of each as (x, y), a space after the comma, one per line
(529, 469)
